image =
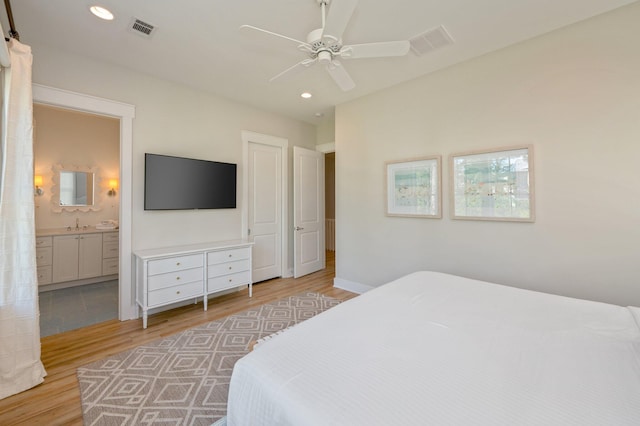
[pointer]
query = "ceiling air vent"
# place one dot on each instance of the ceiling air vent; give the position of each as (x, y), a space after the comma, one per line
(141, 28)
(430, 40)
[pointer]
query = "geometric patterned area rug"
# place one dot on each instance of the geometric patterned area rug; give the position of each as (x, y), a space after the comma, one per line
(184, 379)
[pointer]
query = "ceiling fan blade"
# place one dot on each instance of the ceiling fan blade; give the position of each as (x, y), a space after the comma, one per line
(340, 76)
(375, 50)
(340, 12)
(294, 70)
(252, 28)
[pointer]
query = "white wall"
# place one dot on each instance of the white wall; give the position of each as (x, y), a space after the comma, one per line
(175, 120)
(575, 95)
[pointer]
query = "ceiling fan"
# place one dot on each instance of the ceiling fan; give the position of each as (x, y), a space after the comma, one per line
(324, 45)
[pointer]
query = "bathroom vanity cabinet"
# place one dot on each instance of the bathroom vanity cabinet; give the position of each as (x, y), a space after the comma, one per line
(76, 257)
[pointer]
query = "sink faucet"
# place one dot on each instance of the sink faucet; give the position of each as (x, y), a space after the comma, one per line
(77, 223)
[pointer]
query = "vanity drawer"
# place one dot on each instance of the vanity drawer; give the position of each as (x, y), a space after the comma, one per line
(44, 256)
(44, 275)
(110, 266)
(228, 268)
(175, 293)
(214, 257)
(44, 242)
(227, 281)
(177, 263)
(109, 249)
(110, 237)
(175, 277)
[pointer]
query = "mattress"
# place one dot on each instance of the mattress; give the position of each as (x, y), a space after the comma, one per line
(438, 349)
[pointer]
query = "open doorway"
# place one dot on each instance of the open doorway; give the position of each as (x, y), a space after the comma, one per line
(330, 201)
(77, 166)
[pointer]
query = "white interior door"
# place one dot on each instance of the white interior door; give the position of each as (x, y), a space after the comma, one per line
(308, 216)
(265, 210)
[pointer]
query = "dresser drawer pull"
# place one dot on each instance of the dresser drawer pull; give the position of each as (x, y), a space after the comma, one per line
(230, 255)
(177, 263)
(230, 267)
(230, 280)
(177, 278)
(178, 292)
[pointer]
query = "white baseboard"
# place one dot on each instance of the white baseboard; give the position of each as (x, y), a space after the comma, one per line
(351, 286)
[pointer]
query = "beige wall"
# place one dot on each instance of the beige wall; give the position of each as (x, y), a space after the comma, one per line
(176, 120)
(575, 95)
(76, 141)
(326, 131)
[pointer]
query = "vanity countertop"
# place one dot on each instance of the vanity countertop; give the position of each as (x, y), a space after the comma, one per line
(71, 231)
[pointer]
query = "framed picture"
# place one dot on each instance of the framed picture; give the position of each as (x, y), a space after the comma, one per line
(493, 185)
(413, 187)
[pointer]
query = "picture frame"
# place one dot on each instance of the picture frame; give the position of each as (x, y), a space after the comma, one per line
(493, 184)
(413, 187)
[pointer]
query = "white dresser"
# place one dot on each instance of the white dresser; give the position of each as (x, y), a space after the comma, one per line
(174, 274)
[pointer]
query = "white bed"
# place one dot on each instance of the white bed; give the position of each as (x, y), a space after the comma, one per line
(437, 349)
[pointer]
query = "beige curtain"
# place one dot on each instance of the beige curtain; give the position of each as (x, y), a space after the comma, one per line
(20, 365)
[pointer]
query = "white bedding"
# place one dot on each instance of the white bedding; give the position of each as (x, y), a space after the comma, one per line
(437, 349)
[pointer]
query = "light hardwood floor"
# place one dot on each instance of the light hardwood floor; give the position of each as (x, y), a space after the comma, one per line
(57, 400)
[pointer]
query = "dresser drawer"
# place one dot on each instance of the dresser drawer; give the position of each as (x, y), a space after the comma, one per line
(110, 266)
(228, 268)
(110, 237)
(109, 249)
(44, 275)
(177, 263)
(44, 256)
(215, 257)
(44, 242)
(227, 281)
(175, 277)
(174, 294)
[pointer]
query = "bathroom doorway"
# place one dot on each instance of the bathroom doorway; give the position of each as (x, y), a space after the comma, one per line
(85, 147)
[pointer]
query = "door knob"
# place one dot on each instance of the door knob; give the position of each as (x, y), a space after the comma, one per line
(298, 228)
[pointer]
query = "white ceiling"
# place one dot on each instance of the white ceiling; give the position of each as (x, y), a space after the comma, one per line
(198, 43)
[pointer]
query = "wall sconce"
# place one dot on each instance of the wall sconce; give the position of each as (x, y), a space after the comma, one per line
(113, 185)
(37, 182)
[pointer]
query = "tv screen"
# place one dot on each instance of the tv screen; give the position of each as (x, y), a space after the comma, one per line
(176, 183)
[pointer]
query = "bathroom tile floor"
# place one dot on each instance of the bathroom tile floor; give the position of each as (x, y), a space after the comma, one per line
(75, 307)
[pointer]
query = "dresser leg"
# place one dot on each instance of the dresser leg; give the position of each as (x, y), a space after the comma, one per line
(144, 318)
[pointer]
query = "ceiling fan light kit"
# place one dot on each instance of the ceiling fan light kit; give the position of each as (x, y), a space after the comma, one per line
(324, 45)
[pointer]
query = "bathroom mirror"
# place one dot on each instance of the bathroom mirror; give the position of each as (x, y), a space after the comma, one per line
(74, 188)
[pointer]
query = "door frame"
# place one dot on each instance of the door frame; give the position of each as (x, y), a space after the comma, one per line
(278, 142)
(46, 95)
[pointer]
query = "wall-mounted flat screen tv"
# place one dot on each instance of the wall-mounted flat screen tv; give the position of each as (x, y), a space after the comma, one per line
(177, 183)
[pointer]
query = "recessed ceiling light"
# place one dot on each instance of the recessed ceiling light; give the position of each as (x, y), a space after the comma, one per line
(101, 13)
(306, 95)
